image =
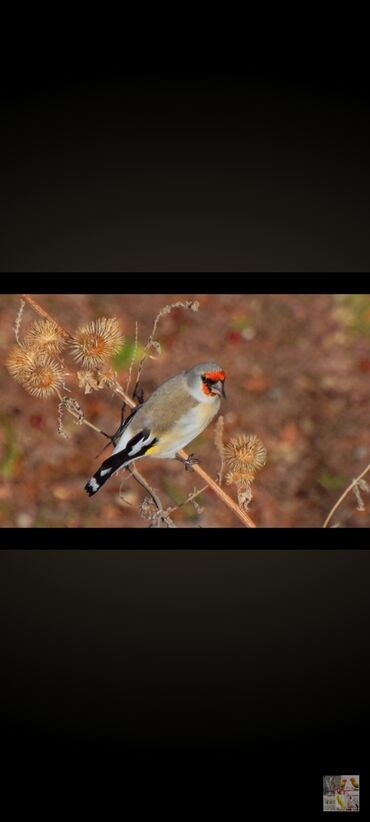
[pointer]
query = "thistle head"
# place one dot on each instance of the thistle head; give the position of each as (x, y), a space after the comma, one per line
(245, 455)
(96, 342)
(36, 371)
(46, 336)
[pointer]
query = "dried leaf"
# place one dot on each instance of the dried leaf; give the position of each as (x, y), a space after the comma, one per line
(157, 346)
(245, 495)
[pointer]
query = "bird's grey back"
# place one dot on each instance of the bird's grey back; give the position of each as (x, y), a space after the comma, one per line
(166, 405)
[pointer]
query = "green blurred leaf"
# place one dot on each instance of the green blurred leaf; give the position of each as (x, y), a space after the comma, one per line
(12, 451)
(124, 357)
(173, 492)
(333, 482)
(358, 306)
(240, 323)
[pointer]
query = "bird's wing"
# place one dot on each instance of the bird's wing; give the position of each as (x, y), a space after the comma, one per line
(137, 447)
(125, 423)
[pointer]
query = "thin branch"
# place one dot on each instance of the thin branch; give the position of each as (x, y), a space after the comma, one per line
(243, 516)
(188, 499)
(18, 321)
(220, 447)
(133, 358)
(74, 409)
(345, 494)
(43, 313)
(143, 482)
(225, 498)
(161, 515)
(193, 305)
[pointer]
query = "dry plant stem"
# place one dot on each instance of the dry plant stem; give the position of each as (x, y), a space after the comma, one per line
(345, 494)
(243, 516)
(132, 363)
(187, 500)
(74, 414)
(225, 498)
(90, 424)
(140, 479)
(144, 484)
(43, 313)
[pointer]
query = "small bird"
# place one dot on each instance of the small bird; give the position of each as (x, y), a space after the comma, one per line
(174, 415)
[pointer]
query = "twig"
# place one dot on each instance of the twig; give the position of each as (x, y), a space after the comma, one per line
(128, 382)
(188, 499)
(162, 515)
(225, 498)
(243, 516)
(345, 494)
(140, 479)
(220, 447)
(43, 313)
(193, 305)
(74, 409)
(18, 321)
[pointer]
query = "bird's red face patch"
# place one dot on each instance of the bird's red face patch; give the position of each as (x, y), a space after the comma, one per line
(214, 376)
(209, 379)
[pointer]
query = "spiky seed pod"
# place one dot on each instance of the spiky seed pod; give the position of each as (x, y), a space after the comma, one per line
(240, 477)
(45, 377)
(36, 371)
(45, 336)
(96, 342)
(19, 362)
(245, 453)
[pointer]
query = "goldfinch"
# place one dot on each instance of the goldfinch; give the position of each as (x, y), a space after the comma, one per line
(174, 415)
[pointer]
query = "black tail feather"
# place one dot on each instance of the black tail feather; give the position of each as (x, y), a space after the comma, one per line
(109, 467)
(119, 460)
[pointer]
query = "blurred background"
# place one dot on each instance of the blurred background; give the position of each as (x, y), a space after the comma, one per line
(298, 371)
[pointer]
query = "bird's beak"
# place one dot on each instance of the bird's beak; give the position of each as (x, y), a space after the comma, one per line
(219, 388)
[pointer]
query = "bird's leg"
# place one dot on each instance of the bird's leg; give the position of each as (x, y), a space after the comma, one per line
(189, 462)
(123, 413)
(113, 438)
(138, 395)
(111, 441)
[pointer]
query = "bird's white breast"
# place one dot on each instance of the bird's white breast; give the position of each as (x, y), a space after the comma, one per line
(186, 429)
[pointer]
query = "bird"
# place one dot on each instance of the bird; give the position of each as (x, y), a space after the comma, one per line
(174, 415)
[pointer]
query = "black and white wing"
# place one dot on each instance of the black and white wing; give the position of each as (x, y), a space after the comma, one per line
(135, 448)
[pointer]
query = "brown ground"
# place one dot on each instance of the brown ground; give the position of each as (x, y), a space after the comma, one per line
(298, 377)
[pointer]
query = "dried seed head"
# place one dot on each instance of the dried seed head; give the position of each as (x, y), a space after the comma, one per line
(240, 477)
(19, 362)
(245, 454)
(96, 380)
(45, 336)
(39, 374)
(45, 377)
(96, 342)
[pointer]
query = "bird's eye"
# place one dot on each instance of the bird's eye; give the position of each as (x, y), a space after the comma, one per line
(207, 381)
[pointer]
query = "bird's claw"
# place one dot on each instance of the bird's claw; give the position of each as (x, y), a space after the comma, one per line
(189, 462)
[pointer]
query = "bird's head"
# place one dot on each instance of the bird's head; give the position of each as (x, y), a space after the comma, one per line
(206, 381)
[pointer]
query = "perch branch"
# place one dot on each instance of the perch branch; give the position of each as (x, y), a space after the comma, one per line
(243, 516)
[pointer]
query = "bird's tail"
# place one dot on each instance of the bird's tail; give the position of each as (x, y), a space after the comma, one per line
(137, 447)
(106, 470)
